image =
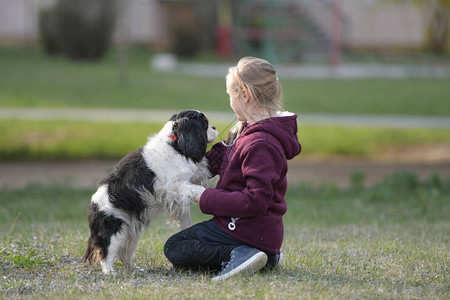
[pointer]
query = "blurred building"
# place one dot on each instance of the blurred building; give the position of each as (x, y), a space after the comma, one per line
(366, 24)
(19, 20)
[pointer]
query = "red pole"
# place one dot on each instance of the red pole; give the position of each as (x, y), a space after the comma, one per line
(336, 34)
(224, 43)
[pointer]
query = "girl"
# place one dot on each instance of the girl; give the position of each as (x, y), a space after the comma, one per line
(247, 204)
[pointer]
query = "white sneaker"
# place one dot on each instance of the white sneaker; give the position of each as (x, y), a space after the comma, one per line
(243, 260)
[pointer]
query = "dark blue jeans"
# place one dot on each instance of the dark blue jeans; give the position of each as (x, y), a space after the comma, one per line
(204, 246)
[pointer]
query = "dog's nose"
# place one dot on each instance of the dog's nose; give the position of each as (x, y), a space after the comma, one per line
(213, 127)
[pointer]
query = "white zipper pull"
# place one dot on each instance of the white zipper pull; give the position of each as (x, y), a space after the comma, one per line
(232, 225)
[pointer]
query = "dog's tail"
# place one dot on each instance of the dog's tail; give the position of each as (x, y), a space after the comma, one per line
(93, 254)
(102, 227)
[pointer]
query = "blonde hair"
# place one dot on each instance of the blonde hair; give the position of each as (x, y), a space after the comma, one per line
(258, 78)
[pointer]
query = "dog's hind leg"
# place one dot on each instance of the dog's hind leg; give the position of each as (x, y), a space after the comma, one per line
(126, 254)
(118, 240)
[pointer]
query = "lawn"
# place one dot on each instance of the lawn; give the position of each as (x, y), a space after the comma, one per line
(387, 241)
(30, 79)
(390, 240)
(74, 140)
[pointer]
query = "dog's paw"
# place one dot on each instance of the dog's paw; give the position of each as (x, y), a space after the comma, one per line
(196, 190)
(109, 272)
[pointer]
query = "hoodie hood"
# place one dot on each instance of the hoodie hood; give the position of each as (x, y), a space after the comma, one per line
(283, 127)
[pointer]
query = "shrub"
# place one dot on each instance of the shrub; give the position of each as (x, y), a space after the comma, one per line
(86, 27)
(49, 31)
(186, 43)
(357, 180)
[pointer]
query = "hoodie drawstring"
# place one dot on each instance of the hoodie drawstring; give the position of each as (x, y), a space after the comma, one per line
(232, 224)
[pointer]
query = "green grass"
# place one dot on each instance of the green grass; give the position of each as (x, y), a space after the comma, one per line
(30, 79)
(73, 140)
(387, 241)
(56, 139)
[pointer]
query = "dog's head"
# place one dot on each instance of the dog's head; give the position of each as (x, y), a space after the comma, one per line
(191, 132)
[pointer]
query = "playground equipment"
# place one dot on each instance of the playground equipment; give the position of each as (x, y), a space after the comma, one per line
(283, 30)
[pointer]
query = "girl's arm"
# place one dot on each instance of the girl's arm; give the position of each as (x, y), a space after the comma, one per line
(262, 167)
(215, 158)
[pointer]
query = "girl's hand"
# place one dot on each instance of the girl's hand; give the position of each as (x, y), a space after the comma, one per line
(197, 198)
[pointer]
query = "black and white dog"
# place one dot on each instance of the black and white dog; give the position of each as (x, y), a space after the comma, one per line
(164, 175)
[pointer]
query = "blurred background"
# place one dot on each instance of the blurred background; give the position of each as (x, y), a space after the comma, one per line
(84, 82)
(280, 31)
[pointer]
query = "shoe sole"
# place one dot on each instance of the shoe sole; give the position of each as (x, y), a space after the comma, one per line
(250, 266)
(280, 261)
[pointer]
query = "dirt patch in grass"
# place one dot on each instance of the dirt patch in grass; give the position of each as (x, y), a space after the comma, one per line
(421, 160)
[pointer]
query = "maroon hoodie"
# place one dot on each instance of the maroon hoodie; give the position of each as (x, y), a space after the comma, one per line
(248, 202)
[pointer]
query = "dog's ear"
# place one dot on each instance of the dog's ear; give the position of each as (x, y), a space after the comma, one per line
(192, 139)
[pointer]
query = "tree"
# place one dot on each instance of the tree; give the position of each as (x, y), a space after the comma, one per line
(439, 25)
(85, 27)
(437, 17)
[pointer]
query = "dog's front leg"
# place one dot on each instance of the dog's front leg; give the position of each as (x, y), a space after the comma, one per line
(189, 191)
(116, 243)
(186, 220)
(126, 254)
(194, 190)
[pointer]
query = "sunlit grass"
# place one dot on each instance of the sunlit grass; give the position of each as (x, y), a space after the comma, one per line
(28, 78)
(387, 241)
(72, 139)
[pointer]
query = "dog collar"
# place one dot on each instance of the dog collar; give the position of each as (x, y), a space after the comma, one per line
(173, 137)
